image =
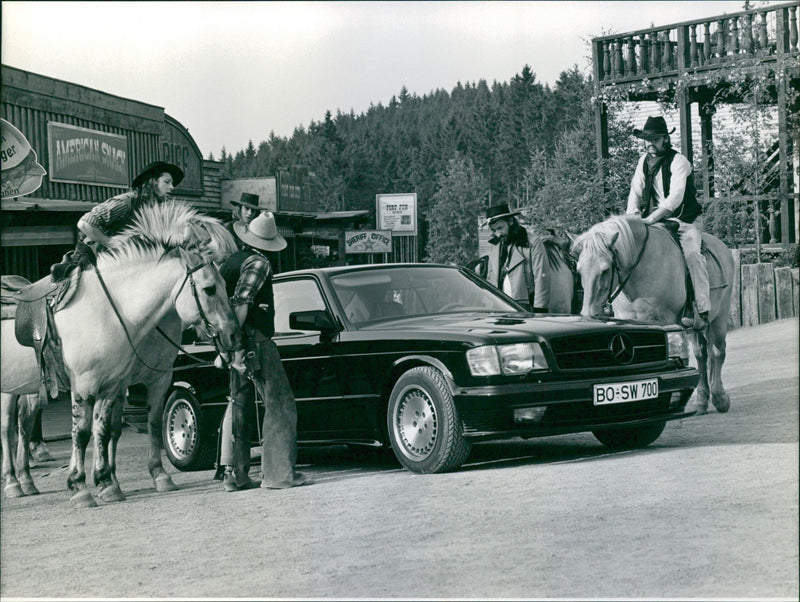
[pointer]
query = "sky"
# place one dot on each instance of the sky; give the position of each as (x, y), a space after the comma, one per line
(232, 72)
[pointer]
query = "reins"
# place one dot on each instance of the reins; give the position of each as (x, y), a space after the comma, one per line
(616, 270)
(212, 331)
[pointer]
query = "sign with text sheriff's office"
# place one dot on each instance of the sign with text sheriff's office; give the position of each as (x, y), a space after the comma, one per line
(83, 156)
(397, 212)
(367, 241)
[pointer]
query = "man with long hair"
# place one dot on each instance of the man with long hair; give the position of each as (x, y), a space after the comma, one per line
(663, 188)
(153, 185)
(520, 266)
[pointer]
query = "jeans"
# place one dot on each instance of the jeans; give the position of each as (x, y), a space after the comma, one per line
(691, 236)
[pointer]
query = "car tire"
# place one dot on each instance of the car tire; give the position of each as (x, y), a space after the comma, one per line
(423, 424)
(188, 442)
(630, 437)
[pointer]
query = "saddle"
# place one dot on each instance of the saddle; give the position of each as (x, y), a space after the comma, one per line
(715, 279)
(32, 306)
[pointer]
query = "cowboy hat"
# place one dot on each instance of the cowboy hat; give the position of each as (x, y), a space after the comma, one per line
(248, 200)
(654, 127)
(261, 233)
(498, 211)
(155, 169)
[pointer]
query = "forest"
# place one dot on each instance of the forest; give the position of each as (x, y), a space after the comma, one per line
(523, 142)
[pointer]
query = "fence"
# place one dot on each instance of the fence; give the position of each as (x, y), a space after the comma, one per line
(762, 293)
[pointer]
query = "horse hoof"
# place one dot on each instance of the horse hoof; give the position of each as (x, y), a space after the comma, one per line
(29, 488)
(164, 483)
(112, 493)
(721, 403)
(13, 490)
(40, 453)
(83, 499)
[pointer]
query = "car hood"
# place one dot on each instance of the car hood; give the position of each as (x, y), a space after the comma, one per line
(504, 327)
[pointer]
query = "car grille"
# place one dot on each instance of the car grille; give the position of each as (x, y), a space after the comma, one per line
(609, 349)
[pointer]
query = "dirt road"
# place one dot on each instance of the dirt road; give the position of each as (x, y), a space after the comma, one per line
(709, 510)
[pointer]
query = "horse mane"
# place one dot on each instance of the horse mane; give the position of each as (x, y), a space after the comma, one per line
(598, 239)
(158, 228)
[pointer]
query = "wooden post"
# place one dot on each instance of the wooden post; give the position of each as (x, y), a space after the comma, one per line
(685, 110)
(766, 293)
(707, 111)
(784, 293)
(735, 319)
(783, 136)
(749, 295)
(796, 289)
(600, 119)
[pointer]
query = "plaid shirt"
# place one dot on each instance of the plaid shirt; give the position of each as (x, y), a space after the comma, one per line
(255, 271)
(114, 214)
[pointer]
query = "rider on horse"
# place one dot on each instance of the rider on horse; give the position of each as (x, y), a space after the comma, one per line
(155, 182)
(663, 188)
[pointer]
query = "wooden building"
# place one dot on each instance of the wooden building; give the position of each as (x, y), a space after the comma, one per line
(707, 62)
(69, 125)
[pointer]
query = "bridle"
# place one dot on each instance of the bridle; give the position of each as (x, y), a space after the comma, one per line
(615, 270)
(211, 330)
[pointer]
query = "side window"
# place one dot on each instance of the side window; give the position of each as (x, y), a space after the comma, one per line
(292, 296)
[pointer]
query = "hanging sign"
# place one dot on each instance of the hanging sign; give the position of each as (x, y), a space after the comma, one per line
(397, 212)
(21, 172)
(367, 241)
(83, 156)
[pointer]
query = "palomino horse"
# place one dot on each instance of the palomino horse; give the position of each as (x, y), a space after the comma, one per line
(641, 271)
(104, 340)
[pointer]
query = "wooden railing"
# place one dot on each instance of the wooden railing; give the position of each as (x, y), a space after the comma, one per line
(761, 34)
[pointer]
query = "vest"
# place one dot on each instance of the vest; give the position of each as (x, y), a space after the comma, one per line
(257, 318)
(689, 208)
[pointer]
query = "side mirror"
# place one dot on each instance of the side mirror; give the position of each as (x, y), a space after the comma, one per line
(316, 319)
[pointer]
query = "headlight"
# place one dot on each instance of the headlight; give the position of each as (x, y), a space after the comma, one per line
(519, 358)
(678, 345)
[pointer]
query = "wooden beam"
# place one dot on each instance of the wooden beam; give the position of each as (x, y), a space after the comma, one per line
(707, 111)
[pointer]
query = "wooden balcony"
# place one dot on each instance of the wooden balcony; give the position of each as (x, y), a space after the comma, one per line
(650, 56)
(700, 62)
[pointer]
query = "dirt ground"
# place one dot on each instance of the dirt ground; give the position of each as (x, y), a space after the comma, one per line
(708, 511)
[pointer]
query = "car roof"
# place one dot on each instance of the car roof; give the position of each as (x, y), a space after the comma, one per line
(343, 269)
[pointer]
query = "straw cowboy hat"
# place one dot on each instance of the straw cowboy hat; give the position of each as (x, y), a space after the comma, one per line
(155, 169)
(654, 127)
(261, 233)
(498, 211)
(248, 200)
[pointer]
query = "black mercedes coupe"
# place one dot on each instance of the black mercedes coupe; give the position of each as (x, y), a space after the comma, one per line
(430, 358)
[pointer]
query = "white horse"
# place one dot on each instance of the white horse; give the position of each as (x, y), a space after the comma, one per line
(108, 338)
(640, 270)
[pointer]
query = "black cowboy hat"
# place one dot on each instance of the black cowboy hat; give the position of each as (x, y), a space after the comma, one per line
(498, 211)
(654, 127)
(248, 200)
(155, 169)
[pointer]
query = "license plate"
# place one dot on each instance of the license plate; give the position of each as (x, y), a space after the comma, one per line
(625, 392)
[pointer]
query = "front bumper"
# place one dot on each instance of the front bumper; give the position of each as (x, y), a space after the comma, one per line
(488, 412)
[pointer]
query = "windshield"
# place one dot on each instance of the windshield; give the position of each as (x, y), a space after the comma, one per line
(412, 291)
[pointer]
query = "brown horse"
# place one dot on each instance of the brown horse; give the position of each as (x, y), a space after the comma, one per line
(640, 270)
